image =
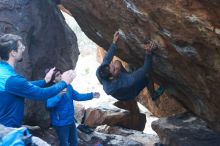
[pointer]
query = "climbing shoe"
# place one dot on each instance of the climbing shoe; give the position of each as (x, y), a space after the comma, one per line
(84, 128)
(158, 93)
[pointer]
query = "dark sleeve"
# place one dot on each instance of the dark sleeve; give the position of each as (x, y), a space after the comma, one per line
(123, 69)
(57, 2)
(141, 72)
(111, 87)
(39, 83)
(110, 54)
(107, 59)
(19, 86)
(78, 96)
(98, 76)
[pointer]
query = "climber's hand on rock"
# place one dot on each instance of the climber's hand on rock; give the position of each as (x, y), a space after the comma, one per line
(150, 47)
(115, 38)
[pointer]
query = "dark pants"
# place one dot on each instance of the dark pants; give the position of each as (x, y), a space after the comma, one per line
(137, 81)
(143, 77)
(67, 135)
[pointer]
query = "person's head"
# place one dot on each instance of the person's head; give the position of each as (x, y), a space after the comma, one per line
(115, 68)
(11, 47)
(106, 71)
(146, 42)
(56, 77)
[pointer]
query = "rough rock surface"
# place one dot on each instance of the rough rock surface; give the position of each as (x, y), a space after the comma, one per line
(104, 135)
(163, 107)
(113, 116)
(188, 61)
(116, 136)
(50, 42)
(185, 130)
(49, 135)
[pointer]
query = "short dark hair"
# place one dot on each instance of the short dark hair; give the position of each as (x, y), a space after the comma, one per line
(146, 40)
(104, 72)
(53, 76)
(8, 42)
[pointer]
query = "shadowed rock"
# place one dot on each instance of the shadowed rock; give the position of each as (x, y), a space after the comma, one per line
(185, 130)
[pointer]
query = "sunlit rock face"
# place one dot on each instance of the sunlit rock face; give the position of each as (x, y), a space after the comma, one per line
(49, 42)
(188, 61)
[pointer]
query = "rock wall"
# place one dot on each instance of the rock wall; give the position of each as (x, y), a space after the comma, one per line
(50, 42)
(188, 61)
(185, 130)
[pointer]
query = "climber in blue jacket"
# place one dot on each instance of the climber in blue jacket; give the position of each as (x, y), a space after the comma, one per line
(15, 88)
(123, 85)
(62, 111)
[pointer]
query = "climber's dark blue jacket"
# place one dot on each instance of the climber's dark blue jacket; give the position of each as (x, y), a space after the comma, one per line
(14, 88)
(127, 85)
(62, 109)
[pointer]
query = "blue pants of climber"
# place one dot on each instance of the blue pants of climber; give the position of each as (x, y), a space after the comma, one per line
(67, 135)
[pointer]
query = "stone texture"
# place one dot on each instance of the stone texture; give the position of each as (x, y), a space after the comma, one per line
(188, 61)
(136, 119)
(113, 116)
(130, 105)
(49, 135)
(125, 137)
(185, 130)
(105, 135)
(50, 42)
(163, 107)
(145, 139)
(79, 112)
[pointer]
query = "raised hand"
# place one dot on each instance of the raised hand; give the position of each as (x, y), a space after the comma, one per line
(96, 94)
(150, 47)
(68, 76)
(48, 76)
(115, 37)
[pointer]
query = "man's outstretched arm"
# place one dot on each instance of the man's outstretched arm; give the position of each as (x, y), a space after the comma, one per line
(112, 50)
(19, 86)
(110, 54)
(39, 83)
(146, 68)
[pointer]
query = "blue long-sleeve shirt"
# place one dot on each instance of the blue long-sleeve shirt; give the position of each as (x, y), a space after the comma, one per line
(122, 88)
(14, 88)
(62, 108)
